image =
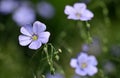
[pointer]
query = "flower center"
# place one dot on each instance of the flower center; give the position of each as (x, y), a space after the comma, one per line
(83, 65)
(78, 15)
(34, 37)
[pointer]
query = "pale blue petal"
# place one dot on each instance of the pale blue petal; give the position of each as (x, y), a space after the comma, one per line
(91, 70)
(73, 63)
(79, 7)
(92, 60)
(35, 45)
(87, 15)
(44, 37)
(24, 40)
(26, 30)
(85, 18)
(80, 72)
(73, 16)
(69, 10)
(38, 27)
(83, 57)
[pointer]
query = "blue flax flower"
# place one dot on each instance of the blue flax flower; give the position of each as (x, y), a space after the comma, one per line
(34, 36)
(84, 65)
(78, 12)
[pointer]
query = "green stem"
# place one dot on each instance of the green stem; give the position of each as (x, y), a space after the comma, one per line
(82, 30)
(89, 37)
(49, 58)
(105, 13)
(30, 62)
(47, 55)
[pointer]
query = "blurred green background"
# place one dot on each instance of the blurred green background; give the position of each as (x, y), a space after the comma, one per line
(66, 35)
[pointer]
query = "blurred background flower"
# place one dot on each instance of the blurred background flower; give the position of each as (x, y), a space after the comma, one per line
(94, 48)
(109, 67)
(56, 75)
(115, 50)
(8, 6)
(24, 15)
(45, 10)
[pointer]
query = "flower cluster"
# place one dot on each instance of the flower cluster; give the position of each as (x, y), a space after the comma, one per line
(34, 36)
(83, 64)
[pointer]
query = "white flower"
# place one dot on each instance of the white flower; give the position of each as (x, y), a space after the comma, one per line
(78, 12)
(34, 36)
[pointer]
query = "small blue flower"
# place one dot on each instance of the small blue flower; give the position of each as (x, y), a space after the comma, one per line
(34, 36)
(78, 12)
(84, 65)
(85, 47)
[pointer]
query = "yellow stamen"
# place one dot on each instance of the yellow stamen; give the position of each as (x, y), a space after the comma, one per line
(78, 14)
(34, 37)
(84, 65)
